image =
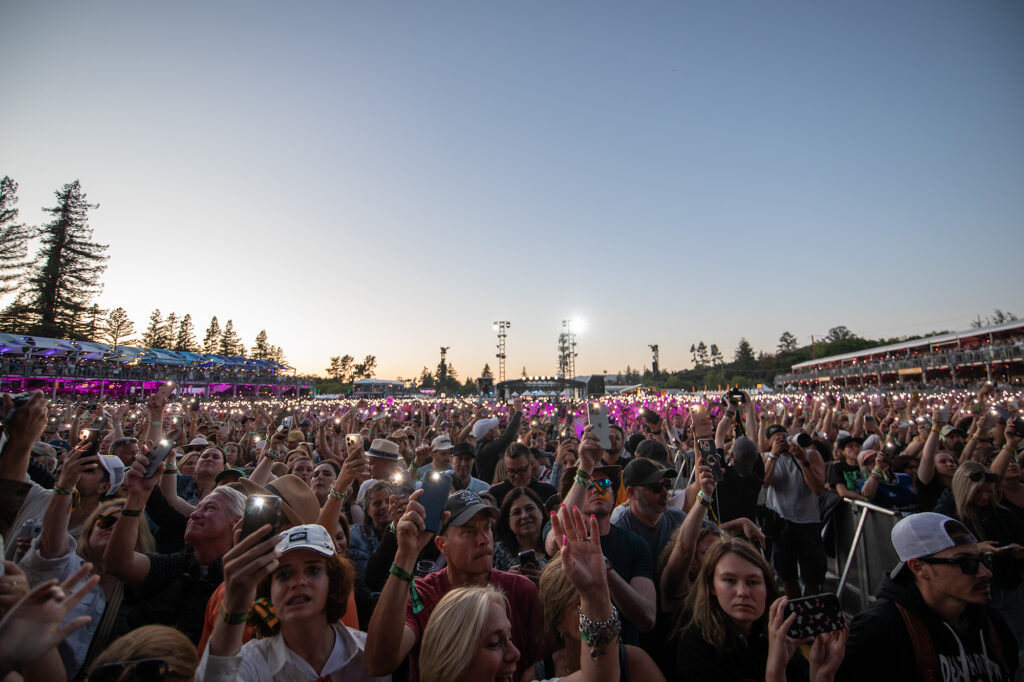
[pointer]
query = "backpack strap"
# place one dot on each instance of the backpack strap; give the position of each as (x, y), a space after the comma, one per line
(924, 648)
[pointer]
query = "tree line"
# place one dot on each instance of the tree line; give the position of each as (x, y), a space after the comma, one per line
(55, 290)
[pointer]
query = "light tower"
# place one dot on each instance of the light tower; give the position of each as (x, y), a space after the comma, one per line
(654, 359)
(501, 326)
(443, 374)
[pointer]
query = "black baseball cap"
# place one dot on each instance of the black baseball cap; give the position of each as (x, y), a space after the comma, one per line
(773, 429)
(463, 449)
(645, 472)
(466, 504)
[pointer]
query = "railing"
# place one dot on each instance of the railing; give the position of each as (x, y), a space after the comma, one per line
(955, 358)
(861, 549)
(68, 371)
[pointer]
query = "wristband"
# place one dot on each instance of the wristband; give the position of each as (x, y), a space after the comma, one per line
(158, 421)
(770, 457)
(337, 495)
(935, 430)
(57, 490)
(414, 597)
(233, 618)
(706, 500)
(583, 478)
(131, 512)
(170, 470)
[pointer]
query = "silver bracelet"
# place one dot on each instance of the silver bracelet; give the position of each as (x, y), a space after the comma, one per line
(598, 634)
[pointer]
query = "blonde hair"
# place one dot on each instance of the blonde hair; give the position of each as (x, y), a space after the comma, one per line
(144, 542)
(154, 641)
(557, 593)
(964, 490)
(452, 635)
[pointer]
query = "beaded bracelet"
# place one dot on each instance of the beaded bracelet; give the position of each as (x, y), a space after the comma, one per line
(57, 490)
(170, 470)
(598, 634)
(583, 478)
(337, 495)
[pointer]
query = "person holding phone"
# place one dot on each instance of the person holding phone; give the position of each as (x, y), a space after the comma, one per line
(467, 544)
(308, 584)
(735, 627)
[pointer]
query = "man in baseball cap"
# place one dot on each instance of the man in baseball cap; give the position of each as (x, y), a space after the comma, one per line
(932, 619)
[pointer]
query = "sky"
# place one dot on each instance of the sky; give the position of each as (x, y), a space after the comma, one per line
(388, 178)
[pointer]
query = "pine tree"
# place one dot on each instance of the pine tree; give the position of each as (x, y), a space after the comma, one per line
(230, 344)
(67, 269)
(261, 349)
(277, 355)
(17, 317)
(185, 339)
(169, 331)
(426, 379)
(787, 342)
(365, 369)
(94, 322)
(153, 337)
(486, 371)
(211, 342)
(693, 354)
(14, 238)
(702, 355)
(744, 356)
(716, 355)
(117, 328)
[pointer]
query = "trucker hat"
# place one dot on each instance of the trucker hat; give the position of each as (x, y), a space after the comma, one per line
(927, 533)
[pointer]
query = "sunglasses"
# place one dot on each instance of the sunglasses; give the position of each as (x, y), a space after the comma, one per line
(968, 564)
(107, 520)
(987, 475)
(601, 485)
(140, 669)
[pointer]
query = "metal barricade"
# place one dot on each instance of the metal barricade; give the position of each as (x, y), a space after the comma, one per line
(863, 551)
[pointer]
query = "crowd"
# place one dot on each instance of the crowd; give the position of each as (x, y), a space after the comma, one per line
(458, 539)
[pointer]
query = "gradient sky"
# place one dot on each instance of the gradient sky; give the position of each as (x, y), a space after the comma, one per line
(388, 178)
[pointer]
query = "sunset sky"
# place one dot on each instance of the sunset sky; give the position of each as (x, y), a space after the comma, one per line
(388, 178)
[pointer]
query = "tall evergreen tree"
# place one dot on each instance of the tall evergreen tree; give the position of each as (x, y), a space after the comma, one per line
(94, 322)
(702, 354)
(117, 328)
(154, 334)
(17, 317)
(230, 344)
(277, 355)
(787, 342)
(14, 238)
(486, 371)
(211, 342)
(261, 349)
(170, 331)
(744, 356)
(185, 338)
(67, 269)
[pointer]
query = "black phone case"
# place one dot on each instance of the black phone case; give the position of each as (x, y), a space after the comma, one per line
(815, 615)
(254, 519)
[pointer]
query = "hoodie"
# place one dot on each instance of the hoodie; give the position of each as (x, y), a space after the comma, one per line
(879, 647)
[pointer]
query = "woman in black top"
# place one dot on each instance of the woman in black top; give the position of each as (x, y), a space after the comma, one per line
(732, 634)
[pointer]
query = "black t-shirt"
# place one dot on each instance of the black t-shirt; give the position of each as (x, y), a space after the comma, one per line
(849, 475)
(629, 555)
(928, 493)
(543, 490)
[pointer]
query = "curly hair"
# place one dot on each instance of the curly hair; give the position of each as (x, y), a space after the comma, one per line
(341, 576)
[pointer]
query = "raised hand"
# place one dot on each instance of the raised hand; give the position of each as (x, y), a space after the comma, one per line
(582, 560)
(246, 565)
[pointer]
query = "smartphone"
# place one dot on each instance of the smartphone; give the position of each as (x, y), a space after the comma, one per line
(942, 415)
(528, 559)
(709, 453)
(815, 615)
(157, 455)
(259, 511)
(1003, 413)
(353, 440)
(435, 494)
(597, 416)
(92, 437)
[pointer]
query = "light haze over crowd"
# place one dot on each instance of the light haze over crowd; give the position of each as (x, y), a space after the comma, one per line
(387, 178)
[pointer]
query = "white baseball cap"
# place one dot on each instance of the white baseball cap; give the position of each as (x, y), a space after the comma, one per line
(441, 443)
(927, 533)
(482, 426)
(308, 536)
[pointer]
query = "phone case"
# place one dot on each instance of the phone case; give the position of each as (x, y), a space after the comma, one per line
(598, 418)
(435, 494)
(707, 450)
(815, 615)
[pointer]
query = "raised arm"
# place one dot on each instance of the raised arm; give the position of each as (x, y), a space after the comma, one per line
(589, 454)
(120, 558)
(53, 541)
(1007, 452)
(675, 578)
(926, 468)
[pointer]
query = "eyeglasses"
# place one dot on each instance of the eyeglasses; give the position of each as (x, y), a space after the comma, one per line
(140, 669)
(659, 486)
(513, 472)
(987, 475)
(968, 564)
(107, 520)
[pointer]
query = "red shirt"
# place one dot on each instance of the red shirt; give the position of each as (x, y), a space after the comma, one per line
(524, 614)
